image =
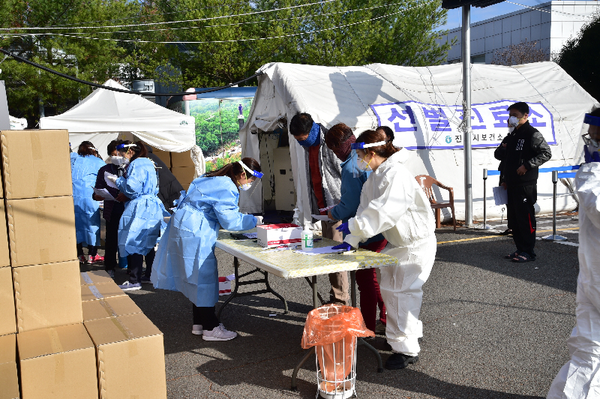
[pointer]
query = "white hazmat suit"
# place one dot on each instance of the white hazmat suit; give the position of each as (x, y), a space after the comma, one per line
(393, 203)
(580, 377)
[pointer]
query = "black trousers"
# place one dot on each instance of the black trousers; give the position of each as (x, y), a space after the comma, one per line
(111, 244)
(92, 250)
(135, 264)
(521, 216)
(206, 317)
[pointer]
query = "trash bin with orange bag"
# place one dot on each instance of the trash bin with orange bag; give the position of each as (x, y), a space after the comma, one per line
(332, 329)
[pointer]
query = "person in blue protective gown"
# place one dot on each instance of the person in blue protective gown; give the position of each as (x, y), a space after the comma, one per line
(84, 169)
(185, 260)
(140, 224)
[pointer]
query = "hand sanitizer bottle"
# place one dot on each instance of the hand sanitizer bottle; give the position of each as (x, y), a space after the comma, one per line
(307, 239)
(296, 218)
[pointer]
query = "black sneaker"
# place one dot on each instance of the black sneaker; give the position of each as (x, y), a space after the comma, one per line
(399, 361)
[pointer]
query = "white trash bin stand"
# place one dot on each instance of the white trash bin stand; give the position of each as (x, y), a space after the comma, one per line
(333, 330)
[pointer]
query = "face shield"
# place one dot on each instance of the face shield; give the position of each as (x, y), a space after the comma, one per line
(364, 165)
(250, 187)
(591, 139)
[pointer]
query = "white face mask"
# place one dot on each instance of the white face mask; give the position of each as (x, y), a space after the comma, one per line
(513, 122)
(119, 160)
(364, 166)
(245, 187)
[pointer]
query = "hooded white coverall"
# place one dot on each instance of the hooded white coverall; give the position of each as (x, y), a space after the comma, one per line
(580, 377)
(393, 203)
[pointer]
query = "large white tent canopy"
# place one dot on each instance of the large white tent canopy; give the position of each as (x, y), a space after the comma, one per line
(105, 114)
(423, 105)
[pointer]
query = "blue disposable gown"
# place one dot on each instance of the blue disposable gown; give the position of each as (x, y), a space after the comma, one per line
(140, 224)
(185, 260)
(84, 170)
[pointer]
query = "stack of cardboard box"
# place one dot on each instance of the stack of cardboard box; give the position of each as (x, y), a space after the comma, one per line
(41, 321)
(180, 164)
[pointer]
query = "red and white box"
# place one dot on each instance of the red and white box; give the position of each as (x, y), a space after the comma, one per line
(225, 284)
(273, 235)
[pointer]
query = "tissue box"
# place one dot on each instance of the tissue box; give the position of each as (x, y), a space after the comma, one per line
(272, 235)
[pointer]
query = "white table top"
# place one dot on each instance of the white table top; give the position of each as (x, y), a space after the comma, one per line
(288, 264)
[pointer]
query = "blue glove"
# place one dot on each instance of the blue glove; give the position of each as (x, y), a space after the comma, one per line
(344, 246)
(343, 228)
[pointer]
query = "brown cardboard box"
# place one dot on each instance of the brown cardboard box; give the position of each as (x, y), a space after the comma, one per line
(164, 156)
(41, 230)
(100, 291)
(129, 346)
(8, 323)
(95, 277)
(9, 380)
(109, 307)
(47, 295)
(58, 362)
(182, 160)
(184, 175)
(4, 252)
(36, 163)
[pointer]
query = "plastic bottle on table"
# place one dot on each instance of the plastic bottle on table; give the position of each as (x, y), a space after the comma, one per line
(307, 239)
(296, 218)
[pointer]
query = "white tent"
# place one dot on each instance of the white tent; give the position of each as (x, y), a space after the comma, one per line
(424, 107)
(104, 114)
(17, 123)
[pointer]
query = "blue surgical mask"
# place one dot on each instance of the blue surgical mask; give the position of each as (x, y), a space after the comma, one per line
(313, 137)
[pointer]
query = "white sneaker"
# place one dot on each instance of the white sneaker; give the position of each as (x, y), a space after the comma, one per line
(197, 329)
(127, 286)
(219, 333)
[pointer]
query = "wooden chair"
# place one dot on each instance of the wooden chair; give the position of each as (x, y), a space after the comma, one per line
(426, 183)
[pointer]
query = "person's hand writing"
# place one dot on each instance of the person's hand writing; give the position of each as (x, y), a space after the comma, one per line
(343, 247)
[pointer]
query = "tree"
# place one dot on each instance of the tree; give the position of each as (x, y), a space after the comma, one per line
(522, 53)
(579, 57)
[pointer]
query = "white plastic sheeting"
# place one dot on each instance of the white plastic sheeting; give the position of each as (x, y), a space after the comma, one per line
(423, 105)
(104, 114)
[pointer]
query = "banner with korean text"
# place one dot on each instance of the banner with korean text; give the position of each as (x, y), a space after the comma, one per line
(436, 126)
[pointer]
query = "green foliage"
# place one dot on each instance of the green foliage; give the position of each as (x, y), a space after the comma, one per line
(580, 58)
(218, 163)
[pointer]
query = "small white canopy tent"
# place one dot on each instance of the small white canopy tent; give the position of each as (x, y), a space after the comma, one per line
(424, 107)
(17, 123)
(104, 114)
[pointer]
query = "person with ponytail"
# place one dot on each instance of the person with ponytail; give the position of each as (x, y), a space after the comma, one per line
(84, 169)
(140, 224)
(393, 204)
(185, 260)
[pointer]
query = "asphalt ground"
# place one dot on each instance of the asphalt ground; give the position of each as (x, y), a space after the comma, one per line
(492, 328)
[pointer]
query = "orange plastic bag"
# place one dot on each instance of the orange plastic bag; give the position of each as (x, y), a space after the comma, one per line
(333, 329)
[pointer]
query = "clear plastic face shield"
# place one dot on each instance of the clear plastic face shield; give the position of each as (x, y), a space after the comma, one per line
(249, 187)
(364, 164)
(591, 139)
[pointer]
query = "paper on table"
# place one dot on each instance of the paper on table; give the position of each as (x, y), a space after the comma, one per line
(109, 182)
(320, 251)
(104, 194)
(324, 218)
(500, 195)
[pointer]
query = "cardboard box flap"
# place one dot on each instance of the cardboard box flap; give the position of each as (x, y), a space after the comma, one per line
(109, 307)
(122, 328)
(95, 277)
(100, 291)
(8, 348)
(52, 340)
(36, 163)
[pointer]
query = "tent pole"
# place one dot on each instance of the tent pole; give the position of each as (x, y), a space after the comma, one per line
(466, 57)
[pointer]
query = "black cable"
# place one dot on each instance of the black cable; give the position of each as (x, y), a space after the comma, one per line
(62, 75)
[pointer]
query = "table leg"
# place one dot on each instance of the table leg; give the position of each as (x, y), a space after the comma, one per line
(295, 373)
(239, 282)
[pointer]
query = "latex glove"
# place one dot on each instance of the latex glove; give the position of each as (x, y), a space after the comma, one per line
(343, 246)
(259, 220)
(343, 228)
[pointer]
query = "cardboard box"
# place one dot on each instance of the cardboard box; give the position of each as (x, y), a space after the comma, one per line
(58, 362)
(185, 175)
(41, 230)
(4, 251)
(109, 307)
(164, 156)
(129, 348)
(100, 291)
(36, 163)
(8, 321)
(95, 277)
(272, 235)
(47, 295)
(182, 160)
(9, 380)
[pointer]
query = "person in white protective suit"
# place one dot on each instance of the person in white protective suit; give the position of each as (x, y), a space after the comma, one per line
(185, 260)
(579, 378)
(392, 203)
